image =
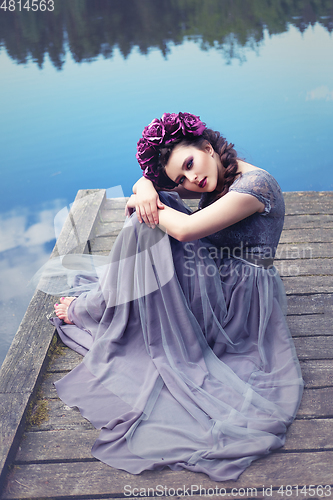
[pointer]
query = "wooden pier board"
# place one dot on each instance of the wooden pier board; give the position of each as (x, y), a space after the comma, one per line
(53, 460)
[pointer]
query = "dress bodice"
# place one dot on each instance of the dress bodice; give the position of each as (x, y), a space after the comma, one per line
(257, 235)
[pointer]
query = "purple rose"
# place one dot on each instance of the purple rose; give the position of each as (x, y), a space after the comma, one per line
(146, 152)
(172, 125)
(191, 124)
(154, 132)
(159, 178)
(150, 173)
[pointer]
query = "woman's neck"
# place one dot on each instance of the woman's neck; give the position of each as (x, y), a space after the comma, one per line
(220, 174)
(244, 167)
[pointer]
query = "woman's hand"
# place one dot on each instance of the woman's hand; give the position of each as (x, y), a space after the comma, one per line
(130, 205)
(146, 202)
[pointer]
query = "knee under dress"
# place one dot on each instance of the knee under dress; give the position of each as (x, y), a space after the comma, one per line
(188, 360)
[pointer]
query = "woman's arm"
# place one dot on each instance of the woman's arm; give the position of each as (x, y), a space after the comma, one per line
(228, 210)
(147, 202)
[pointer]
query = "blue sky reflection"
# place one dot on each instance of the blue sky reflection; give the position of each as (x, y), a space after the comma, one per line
(77, 128)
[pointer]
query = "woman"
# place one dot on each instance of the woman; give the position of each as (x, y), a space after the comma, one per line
(188, 359)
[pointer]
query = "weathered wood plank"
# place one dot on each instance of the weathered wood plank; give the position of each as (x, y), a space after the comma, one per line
(26, 359)
(308, 221)
(293, 237)
(64, 362)
(192, 204)
(296, 217)
(302, 266)
(61, 416)
(64, 445)
(13, 408)
(112, 214)
(80, 223)
(21, 372)
(312, 434)
(60, 446)
(308, 284)
(305, 267)
(311, 207)
(310, 324)
(102, 244)
(21, 368)
(115, 204)
(47, 387)
(310, 195)
(308, 202)
(310, 235)
(316, 403)
(310, 304)
(314, 347)
(95, 478)
(304, 221)
(297, 203)
(286, 251)
(109, 229)
(312, 352)
(317, 373)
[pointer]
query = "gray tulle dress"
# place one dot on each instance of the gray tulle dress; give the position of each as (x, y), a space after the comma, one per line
(188, 360)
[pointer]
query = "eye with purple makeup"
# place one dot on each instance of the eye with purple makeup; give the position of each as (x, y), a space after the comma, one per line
(188, 166)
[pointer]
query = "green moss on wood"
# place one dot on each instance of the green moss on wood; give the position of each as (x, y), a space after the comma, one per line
(56, 348)
(38, 411)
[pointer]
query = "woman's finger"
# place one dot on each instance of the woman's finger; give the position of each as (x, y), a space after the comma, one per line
(149, 219)
(154, 213)
(138, 213)
(145, 213)
(148, 214)
(128, 210)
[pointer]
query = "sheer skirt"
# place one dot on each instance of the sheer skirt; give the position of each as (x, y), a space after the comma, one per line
(188, 360)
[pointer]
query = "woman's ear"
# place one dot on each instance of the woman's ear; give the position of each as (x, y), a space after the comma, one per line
(209, 148)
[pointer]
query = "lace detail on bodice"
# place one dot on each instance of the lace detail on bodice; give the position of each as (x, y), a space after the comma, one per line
(259, 233)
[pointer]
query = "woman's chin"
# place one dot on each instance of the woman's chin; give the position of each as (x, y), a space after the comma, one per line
(211, 187)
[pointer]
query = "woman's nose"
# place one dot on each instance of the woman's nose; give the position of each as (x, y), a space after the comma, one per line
(192, 177)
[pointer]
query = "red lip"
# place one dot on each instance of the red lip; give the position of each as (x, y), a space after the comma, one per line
(203, 183)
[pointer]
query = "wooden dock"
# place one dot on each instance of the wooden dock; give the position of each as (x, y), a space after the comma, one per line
(52, 459)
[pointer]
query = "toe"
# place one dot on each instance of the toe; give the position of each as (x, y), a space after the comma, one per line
(66, 300)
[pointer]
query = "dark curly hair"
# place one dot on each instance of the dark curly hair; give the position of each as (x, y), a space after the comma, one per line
(221, 146)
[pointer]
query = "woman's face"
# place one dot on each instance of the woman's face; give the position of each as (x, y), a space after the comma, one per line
(193, 168)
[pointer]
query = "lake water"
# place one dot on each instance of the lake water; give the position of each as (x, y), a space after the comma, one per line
(78, 86)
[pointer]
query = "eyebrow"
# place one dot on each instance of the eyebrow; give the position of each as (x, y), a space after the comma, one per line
(180, 176)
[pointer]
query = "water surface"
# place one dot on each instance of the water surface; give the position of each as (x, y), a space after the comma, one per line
(76, 90)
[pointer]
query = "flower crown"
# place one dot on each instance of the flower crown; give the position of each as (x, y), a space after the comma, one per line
(172, 127)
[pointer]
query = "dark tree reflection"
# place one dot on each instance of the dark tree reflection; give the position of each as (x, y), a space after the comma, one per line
(90, 28)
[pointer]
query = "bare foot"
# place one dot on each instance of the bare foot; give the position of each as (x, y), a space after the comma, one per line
(61, 309)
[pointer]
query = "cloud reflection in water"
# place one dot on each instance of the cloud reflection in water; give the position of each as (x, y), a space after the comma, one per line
(27, 239)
